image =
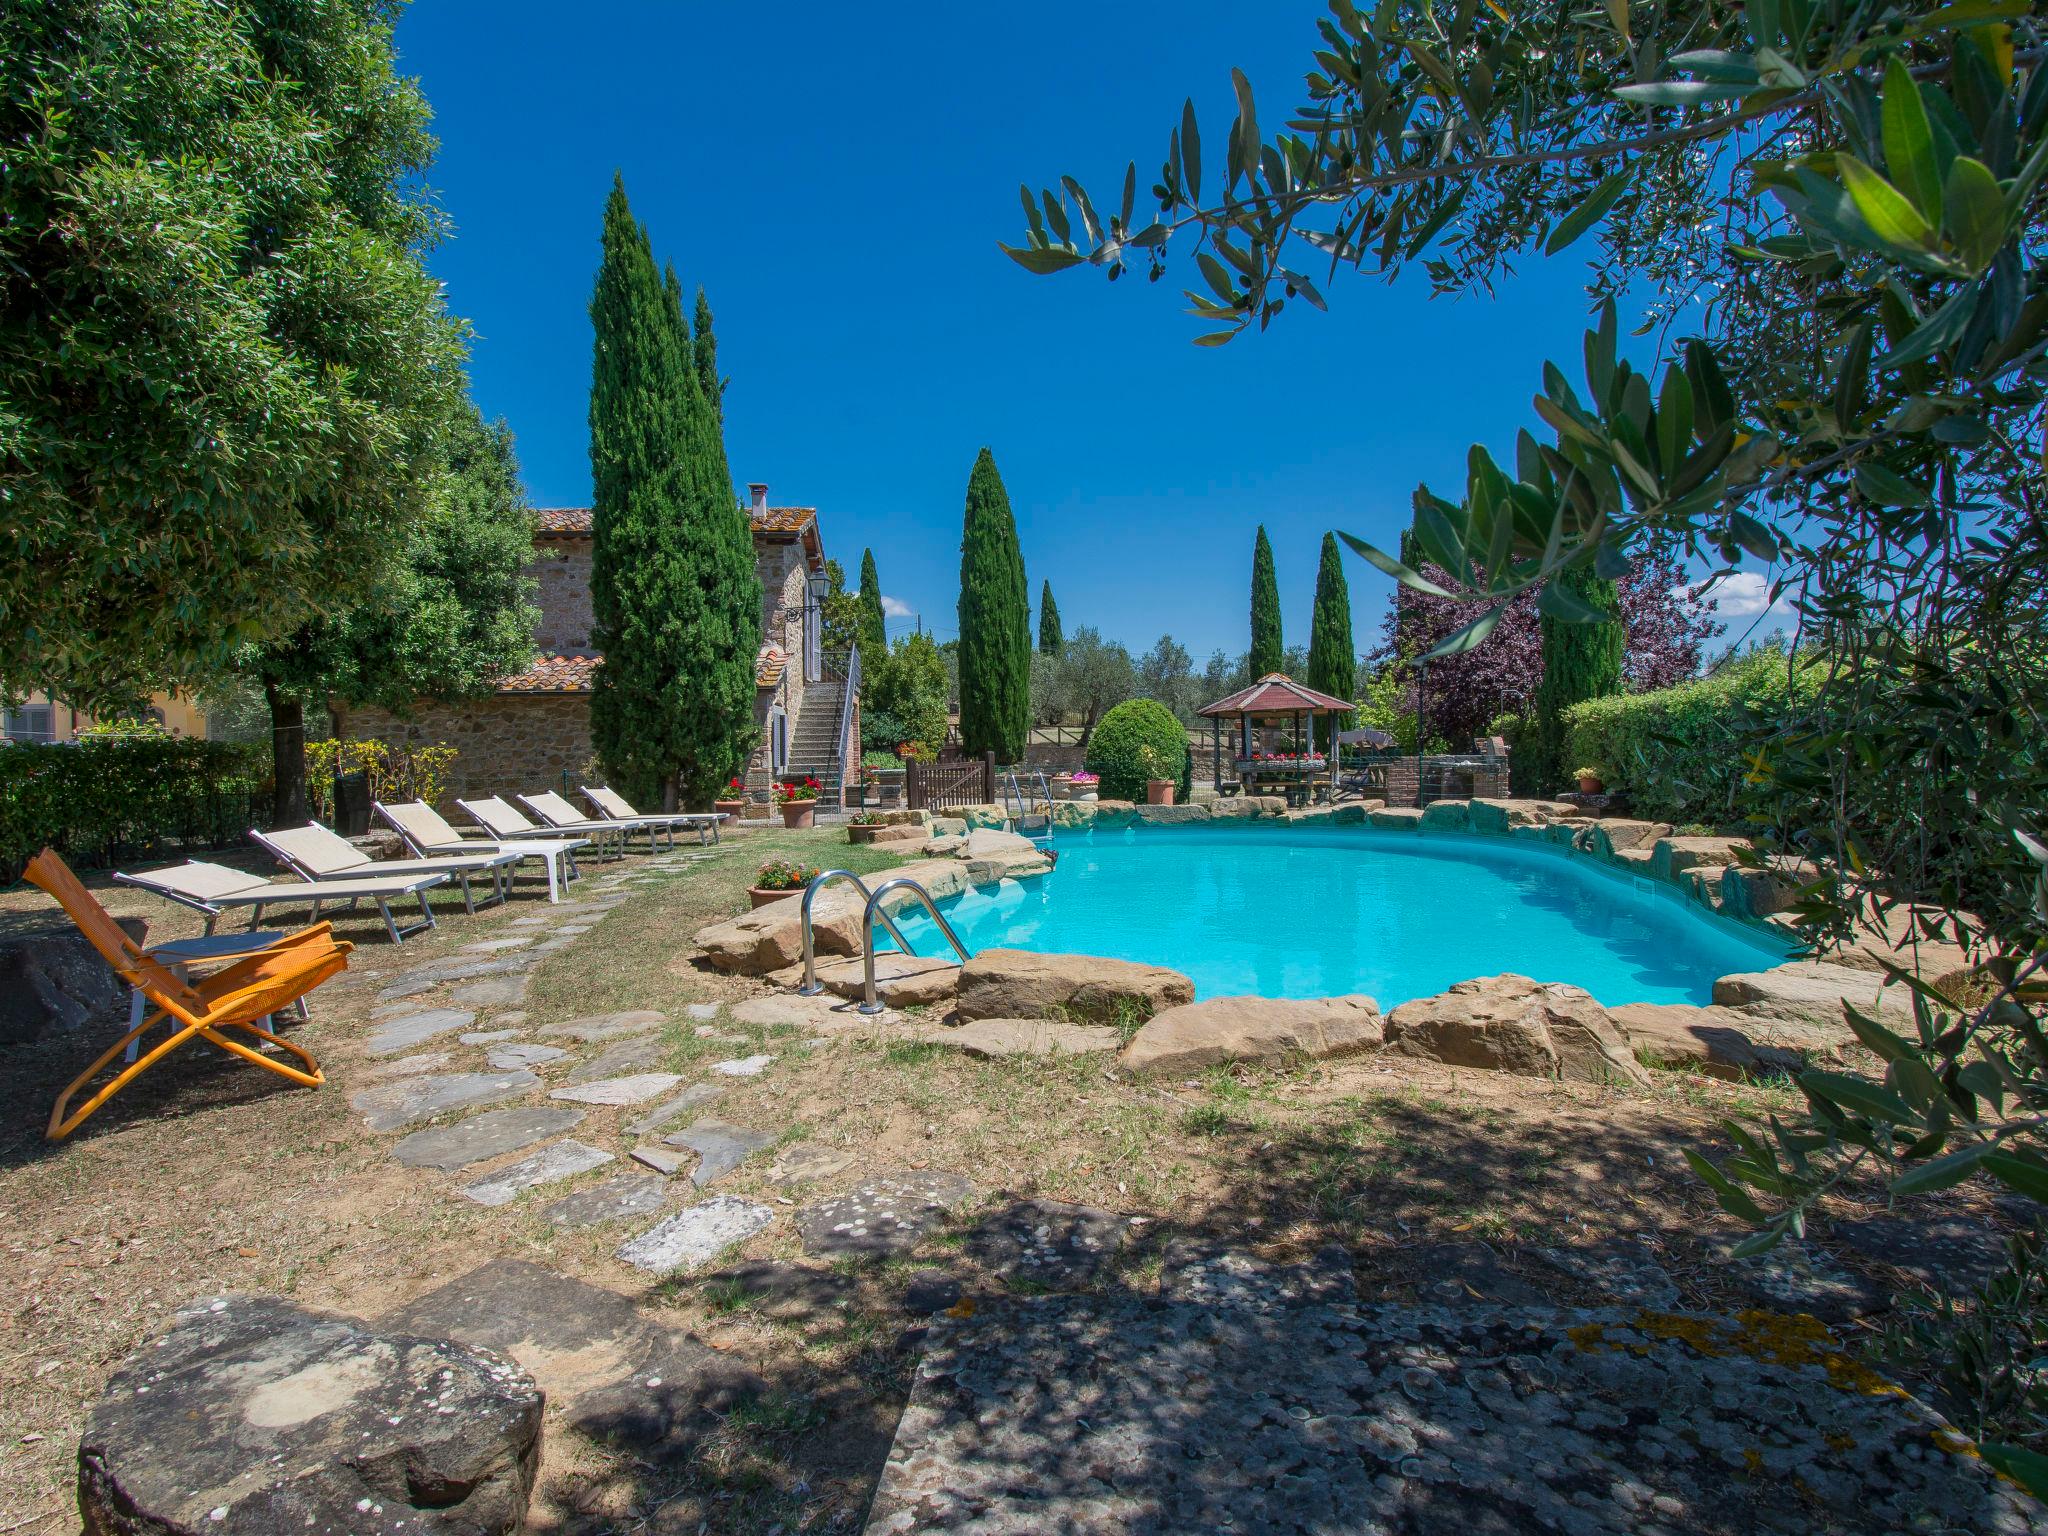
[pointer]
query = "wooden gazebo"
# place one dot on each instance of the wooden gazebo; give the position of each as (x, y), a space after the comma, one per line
(1274, 700)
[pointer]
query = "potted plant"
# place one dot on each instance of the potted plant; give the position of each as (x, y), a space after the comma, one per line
(864, 826)
(1592, 780)
(733, 802)
(884, 772)
(779, 878)
(1158, 789)
(1083, 785)
(798, 800)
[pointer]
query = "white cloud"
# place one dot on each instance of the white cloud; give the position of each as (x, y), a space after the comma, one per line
(1740, 595)
(895, 608)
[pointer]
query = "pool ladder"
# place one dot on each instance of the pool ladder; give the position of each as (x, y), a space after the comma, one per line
(870, 1004)
(1022, 802)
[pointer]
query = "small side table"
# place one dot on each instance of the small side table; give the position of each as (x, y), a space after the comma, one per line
(181, 954)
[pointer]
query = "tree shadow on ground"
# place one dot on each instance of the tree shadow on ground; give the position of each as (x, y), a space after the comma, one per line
(1410, 1189)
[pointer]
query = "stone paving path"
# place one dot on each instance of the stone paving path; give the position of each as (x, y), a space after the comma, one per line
(488, 1051)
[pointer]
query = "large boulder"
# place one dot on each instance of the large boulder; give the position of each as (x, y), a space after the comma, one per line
(1170, 815)
(1718, 1042)
(998, 855)
(254, 1416)
(1513, 1024)
(1265, 1030)
(1812, 992)
(1023, 984)
(1447, 816)
(55, 979)
(1611, 834)
(1397, 818)
(1496, 816)
(1671, 857)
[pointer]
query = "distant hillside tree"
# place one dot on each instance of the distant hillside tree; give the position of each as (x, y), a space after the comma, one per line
(675, 599)
(874, 629)
(1332, 662)
(1268, 654)
(1050, 636)
(995, 622)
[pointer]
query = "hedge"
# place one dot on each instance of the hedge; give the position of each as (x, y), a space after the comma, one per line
(1113, 749)
(99, 801)
(1679, 753)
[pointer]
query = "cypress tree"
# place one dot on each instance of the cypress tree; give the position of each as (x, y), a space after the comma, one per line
(675, 600)
(874, 632)
(1051, 638)
(995, 621)
(704, 353)
(1580, 662)
(1332, 663)
(1268, 654)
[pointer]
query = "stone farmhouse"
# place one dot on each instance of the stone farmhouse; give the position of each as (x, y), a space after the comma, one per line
(533, 733)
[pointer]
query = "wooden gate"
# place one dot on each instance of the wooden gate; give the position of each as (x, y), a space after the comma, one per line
(943, 786)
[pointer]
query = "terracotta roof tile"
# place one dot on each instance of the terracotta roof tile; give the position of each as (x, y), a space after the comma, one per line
(561, 521)
(574, 522)
(1277, 694)
(769, 666)
(572, 673)
(783, 519)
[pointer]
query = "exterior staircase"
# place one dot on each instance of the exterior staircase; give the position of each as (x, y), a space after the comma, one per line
(814, 746)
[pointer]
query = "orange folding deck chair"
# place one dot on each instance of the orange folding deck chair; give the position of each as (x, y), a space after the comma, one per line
(233, 998)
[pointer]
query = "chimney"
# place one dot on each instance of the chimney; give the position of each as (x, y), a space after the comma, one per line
(757, 498)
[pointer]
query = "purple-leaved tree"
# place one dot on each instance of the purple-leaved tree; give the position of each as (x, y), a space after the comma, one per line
(1667, 629)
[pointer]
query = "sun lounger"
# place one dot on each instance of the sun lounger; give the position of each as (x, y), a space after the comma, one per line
(314, 853)
(612, 806)
(497, 817)
(215, 889)
(235, 998)
(561, 815)
(427, 832)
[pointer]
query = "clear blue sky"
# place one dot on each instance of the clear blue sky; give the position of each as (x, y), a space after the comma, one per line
(837, 177)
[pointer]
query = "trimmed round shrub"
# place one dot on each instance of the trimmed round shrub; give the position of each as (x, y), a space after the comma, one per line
(1113, 751)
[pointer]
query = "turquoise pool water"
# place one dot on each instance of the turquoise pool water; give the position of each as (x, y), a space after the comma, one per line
(1317, 911)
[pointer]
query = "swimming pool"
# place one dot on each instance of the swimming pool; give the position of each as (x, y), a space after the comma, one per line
(1320, 911)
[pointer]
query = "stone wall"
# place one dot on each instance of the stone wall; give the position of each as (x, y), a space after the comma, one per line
(562, 570)
(511, 743)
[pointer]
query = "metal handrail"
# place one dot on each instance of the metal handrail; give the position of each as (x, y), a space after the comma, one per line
(812, 986)
(869, 1004)
(849, 688)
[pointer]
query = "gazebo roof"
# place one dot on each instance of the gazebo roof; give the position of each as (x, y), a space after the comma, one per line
(1278, 694)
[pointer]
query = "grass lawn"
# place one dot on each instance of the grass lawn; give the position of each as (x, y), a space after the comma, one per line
(213, 1177)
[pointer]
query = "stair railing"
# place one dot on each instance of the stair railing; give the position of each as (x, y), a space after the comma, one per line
(846, 700)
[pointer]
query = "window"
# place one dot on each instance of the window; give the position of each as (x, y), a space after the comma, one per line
(32, 722)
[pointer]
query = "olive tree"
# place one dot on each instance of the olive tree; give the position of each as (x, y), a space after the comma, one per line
(1836, 207)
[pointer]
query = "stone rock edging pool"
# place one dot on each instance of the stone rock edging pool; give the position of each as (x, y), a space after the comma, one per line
(1761, 1021)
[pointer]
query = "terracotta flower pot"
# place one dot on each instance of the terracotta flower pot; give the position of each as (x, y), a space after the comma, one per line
(1159, 791)
(760, 896)
(733, 808)
(861, 832)
(799, 813)
(1589, 785)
